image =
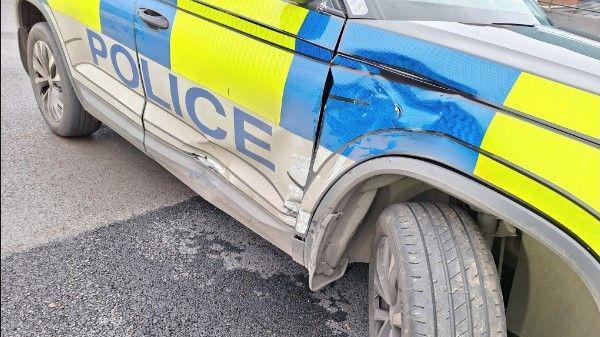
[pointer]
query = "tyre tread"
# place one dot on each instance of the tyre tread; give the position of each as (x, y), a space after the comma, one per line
(454, 288)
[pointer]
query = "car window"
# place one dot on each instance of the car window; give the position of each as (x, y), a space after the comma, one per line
(522, 12)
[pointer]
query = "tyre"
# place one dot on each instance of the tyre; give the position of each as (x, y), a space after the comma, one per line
(431, 274)
(52, 88)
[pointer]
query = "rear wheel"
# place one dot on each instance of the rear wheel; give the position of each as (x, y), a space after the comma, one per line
(53, 91)
(431, 274)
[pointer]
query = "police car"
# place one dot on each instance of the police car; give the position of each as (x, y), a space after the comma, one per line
(452, 144)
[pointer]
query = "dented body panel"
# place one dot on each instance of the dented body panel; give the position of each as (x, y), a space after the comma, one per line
(529, 136)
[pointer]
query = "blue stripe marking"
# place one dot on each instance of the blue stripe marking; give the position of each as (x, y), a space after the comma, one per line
(320, 53)
(321, 29)
(302, 96)
(303, 92)
(483, 78)
(381, 105)
(116, 20)
(156, 44)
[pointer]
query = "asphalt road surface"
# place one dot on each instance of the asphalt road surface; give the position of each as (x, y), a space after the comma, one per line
(99, 240)
(183, 270)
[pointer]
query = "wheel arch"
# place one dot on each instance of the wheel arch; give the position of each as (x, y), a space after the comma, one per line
(350, 200)
(27, 13)
(30, 12)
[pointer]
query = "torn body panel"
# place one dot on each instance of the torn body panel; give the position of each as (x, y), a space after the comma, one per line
(468, 110)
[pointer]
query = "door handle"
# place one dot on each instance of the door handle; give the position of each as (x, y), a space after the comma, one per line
(153, 19)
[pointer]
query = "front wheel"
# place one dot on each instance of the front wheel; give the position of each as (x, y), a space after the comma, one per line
(53, 91)
(431, 274)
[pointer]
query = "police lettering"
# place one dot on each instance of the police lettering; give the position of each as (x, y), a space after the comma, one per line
(131, 78)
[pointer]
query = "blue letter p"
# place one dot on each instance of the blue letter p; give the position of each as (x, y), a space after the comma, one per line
(97, 46)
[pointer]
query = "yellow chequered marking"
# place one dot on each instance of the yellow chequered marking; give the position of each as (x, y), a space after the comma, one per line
(248, 72)
(274, 13)
(240, 24)
(85, 11)
(556, 103)
(578, 221)
(563, 161)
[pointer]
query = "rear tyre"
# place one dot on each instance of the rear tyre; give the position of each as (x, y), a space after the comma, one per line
(53, 91)
(431, 274)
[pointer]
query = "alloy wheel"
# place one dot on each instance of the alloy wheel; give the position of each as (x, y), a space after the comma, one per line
(47, 80)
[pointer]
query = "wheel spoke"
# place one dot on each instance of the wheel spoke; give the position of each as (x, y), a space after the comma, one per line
(382, 289)
(378, 313)
(42, 58)
(45, 56)
(59, 104)
(53, 71)
(56, 107)
(392, 277)
(386, 311)
(37, 52)
(385, 330)
(378, 287)
(41, 81)
(44, 98)
(39, 68)
(382, 269)
(51, 66)
(51, 104)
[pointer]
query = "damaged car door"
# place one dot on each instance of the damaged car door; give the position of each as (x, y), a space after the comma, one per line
(239, 86)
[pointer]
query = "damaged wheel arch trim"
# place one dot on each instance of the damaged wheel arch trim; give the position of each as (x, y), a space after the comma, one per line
(455, 184)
